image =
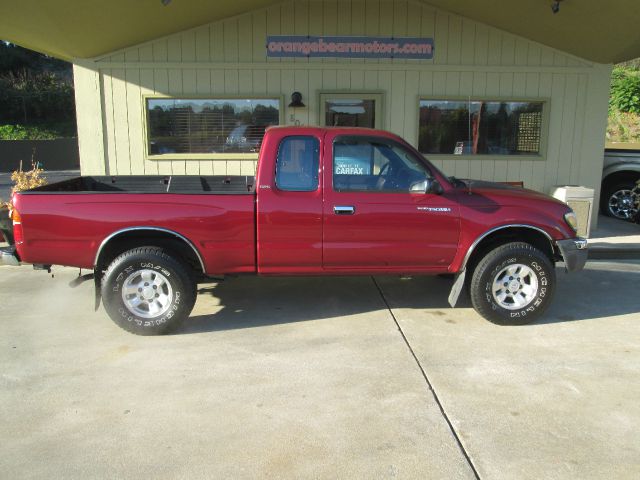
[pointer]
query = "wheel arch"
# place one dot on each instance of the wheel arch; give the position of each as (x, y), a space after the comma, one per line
(620, 175)
(131, 237)
(503, 234)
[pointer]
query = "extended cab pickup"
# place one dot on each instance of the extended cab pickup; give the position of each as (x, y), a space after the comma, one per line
(325, 201)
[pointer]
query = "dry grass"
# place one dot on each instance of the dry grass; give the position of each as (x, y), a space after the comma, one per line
(25, 181)
(623, 127)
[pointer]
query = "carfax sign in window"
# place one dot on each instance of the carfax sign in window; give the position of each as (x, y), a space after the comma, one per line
(354, 159)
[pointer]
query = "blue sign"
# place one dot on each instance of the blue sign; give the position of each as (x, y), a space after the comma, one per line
(349, 47)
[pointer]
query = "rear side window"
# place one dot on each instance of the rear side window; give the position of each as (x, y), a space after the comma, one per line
(297, 164)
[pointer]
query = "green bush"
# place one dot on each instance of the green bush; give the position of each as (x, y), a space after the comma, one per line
(19, 132)
(625, 90)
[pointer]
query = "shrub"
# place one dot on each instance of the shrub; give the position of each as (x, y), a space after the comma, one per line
(25, 181)
(625, 90)
(20, 132)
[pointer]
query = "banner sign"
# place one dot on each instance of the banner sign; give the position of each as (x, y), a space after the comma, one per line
(349, 47)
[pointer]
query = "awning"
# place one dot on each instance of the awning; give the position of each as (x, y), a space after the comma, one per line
(604, 32)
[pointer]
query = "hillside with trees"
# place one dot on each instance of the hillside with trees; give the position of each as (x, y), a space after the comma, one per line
(36, 95)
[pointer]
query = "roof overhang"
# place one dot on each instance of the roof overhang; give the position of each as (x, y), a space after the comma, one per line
(603, 32)
(71, 29)
(596, 30)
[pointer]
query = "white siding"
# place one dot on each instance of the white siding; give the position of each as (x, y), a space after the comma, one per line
(228, 58)
(90, 118)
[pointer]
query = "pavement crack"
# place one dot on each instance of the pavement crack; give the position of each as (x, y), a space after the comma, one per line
(428, 382)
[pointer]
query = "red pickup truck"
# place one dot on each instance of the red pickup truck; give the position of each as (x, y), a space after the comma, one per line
(325, 201)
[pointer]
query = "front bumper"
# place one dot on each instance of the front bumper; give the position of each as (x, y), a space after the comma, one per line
(8, 256)
(574, 253)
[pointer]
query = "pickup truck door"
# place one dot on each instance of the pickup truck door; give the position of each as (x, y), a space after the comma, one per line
(372, 219)
(289, 205)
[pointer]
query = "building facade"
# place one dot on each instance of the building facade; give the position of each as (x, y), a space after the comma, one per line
(488, 105)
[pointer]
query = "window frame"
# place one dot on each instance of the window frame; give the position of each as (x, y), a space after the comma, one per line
(418, 156)
(201, 156)
(275, 175)
(544, 133)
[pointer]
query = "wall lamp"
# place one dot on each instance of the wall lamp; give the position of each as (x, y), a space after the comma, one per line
(555, 6)
(296, 100)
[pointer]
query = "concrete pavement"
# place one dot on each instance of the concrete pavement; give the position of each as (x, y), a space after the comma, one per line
(308, 379)
(557, 399)
(312, 378)
(614, 239)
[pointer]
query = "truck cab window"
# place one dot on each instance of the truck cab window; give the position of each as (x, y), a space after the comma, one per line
(297, 164)
(375, 165)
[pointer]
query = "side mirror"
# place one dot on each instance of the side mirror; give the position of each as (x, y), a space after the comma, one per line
(428, 185)
(436, 188)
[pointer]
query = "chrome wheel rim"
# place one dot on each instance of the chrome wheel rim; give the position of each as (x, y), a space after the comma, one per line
(515, 286)
(623, 204)
(147, 293)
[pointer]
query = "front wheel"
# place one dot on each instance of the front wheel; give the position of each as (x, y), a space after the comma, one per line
(146, 291)
(513, 284)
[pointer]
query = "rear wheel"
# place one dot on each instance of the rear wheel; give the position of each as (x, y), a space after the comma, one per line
(147, 291)
(513, 284)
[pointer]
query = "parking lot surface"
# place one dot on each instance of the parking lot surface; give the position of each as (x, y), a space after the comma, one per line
(322, 378)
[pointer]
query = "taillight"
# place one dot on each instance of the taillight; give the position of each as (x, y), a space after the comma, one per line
(18, 236)
(15, 216)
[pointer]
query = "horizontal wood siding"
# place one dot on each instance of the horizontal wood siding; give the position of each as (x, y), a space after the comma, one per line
(471, 59)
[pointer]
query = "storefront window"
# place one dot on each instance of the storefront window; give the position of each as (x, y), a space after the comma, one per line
(480, 127)
(351, 110)
(350, 113)
(189, 125)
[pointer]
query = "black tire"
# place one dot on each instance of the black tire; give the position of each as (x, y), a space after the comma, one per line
(539, 280)
(607, 193)
(158, 274)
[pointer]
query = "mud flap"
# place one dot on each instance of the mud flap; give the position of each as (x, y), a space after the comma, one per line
(97, 281)
(458, 284)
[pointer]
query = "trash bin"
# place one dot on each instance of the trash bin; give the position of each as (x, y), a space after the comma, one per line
(580, 199)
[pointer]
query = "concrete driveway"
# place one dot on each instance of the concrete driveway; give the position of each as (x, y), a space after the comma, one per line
(322, 378)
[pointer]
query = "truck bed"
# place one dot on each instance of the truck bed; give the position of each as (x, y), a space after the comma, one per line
(178, 184)
(65, 223)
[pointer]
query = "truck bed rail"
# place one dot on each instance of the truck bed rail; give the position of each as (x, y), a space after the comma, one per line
(176, 184)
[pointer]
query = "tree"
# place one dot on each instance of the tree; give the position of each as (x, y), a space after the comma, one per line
(36, 95)
(15, 59)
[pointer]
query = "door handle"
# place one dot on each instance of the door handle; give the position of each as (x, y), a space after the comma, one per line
(344, 210)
